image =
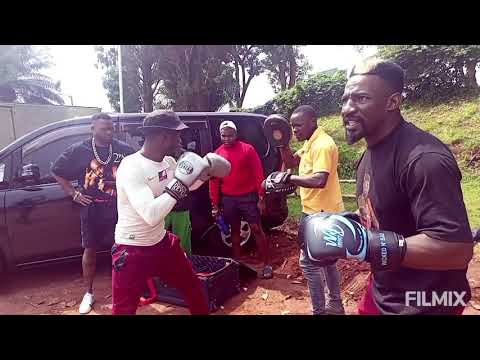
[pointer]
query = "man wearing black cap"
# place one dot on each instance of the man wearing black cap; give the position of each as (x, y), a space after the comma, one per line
(149, 184)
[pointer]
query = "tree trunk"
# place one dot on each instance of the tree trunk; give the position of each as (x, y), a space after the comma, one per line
(148, 101)
(471, 80)
(244, 90)
(147, 87)
(282, 76)
(293, 69)
(236, 95)
(192, 92)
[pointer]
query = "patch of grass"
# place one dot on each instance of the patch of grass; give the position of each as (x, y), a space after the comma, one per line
(348, 189)
(456, 123)
(295, 207)
(471, 197)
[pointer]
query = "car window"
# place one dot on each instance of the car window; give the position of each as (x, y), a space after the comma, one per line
(2, 172)
(44, 150)
(190, 138)
(249, 130)
(5, 170)
(133, 138)
(252, 132)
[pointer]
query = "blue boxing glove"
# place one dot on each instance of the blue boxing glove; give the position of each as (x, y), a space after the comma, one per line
(329, 237)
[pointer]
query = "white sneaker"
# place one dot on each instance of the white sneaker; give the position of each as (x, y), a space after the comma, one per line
(87, 302)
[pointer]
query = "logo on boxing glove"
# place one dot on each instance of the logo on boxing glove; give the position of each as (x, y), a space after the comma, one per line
(185, 167)
(356, 248)
(176, 189)
(327, 236)
(333, 236)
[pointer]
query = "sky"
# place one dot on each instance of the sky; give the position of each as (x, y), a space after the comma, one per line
(74, 66)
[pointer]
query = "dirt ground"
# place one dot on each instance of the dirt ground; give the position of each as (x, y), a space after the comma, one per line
(57, 289)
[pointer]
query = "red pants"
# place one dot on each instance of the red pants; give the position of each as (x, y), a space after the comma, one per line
(133, 265)
(367, 306)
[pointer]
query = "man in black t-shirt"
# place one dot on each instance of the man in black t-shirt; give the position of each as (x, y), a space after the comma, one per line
(414, 228)
(408, 182)
(93, 163)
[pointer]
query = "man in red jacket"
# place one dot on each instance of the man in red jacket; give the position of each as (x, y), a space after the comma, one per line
(240, 195)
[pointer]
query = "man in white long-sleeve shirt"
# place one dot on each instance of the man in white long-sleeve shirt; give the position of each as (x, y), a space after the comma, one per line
(148, 186)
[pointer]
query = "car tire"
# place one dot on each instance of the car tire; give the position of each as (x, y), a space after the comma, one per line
(219, 245)
(213, 244)
(247, 239)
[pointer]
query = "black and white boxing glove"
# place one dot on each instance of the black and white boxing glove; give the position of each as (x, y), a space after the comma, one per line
(190, 168)
(330, 236)
(278, 182)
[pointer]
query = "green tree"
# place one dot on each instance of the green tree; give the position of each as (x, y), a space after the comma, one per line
(196, 77)
(107, 60)
(322, 90)
(362, 49)
(21, 78)
(435, 72)
(285, 65)
(182, 77)
(245, 60)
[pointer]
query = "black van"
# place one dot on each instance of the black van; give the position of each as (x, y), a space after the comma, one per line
(39, 223)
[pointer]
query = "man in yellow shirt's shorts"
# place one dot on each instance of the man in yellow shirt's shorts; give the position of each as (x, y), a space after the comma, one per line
(320, 191)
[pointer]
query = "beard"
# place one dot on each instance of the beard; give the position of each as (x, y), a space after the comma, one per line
(354, 134)
(352, 137)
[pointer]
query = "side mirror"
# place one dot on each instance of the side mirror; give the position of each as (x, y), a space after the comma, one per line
(30, 172)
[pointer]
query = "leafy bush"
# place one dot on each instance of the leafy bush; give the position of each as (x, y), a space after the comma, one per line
(266, 109)
(323, 91)
(436, 73)
(347, 160)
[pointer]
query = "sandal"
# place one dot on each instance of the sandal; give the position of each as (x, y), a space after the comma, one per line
(267, 272)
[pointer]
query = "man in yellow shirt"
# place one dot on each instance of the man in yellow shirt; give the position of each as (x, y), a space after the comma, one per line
(320, 191)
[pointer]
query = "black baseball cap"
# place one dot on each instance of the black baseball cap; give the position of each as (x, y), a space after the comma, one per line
(161, 119)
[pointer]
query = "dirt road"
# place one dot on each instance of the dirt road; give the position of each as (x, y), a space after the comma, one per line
(58, 289)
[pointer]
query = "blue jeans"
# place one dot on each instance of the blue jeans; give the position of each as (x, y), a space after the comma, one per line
(316, 277)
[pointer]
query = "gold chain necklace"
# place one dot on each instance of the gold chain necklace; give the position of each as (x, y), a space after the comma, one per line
(97, 157)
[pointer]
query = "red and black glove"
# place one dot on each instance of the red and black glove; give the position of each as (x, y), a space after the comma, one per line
(278, 182)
